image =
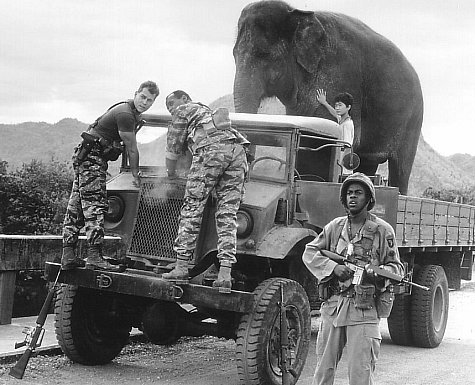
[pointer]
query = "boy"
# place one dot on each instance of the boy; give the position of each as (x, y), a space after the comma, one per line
(341, 112)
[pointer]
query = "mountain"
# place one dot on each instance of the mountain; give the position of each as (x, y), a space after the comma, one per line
(42, 141)
(39, 140)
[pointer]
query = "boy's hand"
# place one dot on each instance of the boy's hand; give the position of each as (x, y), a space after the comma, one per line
(321, 96)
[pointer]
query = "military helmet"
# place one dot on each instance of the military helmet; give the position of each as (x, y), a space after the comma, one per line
(358, 177)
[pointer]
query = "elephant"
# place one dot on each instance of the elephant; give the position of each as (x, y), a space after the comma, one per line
(288, 53)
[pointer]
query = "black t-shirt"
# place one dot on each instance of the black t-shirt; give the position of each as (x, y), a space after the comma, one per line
(123, 117)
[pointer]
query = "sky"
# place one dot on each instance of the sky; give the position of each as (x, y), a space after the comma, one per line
(66, 58)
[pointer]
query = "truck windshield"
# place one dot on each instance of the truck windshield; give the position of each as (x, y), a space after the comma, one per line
(270, 152)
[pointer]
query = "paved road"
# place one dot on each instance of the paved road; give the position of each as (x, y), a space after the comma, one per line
(453, 362)
(211, 361)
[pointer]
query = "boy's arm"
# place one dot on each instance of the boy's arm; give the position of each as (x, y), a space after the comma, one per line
(322, 99)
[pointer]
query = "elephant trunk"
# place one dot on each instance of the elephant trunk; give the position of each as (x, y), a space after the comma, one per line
(247, 93)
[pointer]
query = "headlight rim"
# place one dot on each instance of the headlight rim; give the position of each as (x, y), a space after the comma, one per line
(250, 224)
(116, 199)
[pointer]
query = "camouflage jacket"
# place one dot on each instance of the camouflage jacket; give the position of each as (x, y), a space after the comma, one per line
(192, 126)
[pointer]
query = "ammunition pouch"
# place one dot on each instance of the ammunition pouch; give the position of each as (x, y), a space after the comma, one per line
(222, 121)
(364, 296)
(384, 302)
(111, 151)
(221, 118)
(108, 150)
(328, 288)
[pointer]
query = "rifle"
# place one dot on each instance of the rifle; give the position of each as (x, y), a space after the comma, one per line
(34, 336)
(358, 270)
(284, 342)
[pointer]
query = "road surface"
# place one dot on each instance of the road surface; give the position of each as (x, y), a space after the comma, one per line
(210, 361)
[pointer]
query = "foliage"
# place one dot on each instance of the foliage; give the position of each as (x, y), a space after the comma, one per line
(33, 199)
(464, 195)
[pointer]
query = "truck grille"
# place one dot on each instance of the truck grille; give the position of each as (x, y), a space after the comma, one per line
(156, 222)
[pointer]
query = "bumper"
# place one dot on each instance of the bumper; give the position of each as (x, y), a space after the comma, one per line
(149, 285)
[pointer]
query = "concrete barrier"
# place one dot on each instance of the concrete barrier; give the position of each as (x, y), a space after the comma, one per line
(31, 252)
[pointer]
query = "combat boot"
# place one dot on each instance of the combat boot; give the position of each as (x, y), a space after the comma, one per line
(224, 281)
(94, 259)
(180, 271)
(69, 260)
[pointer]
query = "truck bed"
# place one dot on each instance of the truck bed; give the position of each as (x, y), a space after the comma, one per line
(428, 223)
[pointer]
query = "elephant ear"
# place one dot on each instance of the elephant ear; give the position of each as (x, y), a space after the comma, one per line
(309, 40)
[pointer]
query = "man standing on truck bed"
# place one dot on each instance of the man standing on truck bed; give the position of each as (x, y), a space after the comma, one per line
(88, 200)
(351, 312)
(219, 163)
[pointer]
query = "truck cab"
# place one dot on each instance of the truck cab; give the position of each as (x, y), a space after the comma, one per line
(288, 155)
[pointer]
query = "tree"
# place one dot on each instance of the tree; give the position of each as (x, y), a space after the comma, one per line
(465, 195)
(34, 198)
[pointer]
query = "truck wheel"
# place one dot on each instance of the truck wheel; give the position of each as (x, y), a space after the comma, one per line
(399, 321)
(430, 308)
(85, 329)
(258, 336)
(161, 323)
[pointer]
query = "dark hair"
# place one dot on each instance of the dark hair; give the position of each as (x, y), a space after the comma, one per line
(151, 86)
(178, 94)
(345, 98)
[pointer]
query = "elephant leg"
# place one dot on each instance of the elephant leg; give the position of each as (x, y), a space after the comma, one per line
(400, 166)
(400, 163)
(396, 177)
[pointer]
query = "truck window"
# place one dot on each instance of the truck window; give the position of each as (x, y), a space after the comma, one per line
(314, 165)
(271, 153)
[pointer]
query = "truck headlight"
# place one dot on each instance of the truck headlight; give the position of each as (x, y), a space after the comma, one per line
(115, 211)
(244, 224)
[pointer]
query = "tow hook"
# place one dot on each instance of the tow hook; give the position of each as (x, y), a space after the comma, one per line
(104, 281)
(176, 292)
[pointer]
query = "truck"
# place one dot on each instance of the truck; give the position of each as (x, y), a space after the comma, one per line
(291, 192)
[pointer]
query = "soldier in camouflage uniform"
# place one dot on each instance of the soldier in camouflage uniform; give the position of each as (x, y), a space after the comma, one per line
(88, 200)
(219, 163)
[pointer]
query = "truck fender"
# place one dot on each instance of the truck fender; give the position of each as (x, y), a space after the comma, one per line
(280, 240)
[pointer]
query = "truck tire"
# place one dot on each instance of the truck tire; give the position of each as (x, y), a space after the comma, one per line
(161, 323)
(430, 308)
(85, 330)
(399, 321)
(258, 335)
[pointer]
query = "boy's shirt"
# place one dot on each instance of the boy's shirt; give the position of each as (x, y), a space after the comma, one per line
(347, 129)
(347, 135)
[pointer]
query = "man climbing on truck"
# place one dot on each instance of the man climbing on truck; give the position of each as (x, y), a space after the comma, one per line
(219, 163)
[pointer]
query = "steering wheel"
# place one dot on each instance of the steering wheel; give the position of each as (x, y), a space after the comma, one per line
(267, 157)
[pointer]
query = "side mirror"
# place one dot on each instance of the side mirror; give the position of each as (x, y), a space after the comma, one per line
(351, 161)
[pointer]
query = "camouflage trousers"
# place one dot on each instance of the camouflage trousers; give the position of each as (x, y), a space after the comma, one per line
(88, 200)
(222, 167)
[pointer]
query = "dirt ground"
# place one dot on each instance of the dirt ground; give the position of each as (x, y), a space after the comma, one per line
(210, 361)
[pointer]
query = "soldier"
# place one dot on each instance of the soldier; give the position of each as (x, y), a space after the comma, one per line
(351, 313)
(88, 201)
(219, 163)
